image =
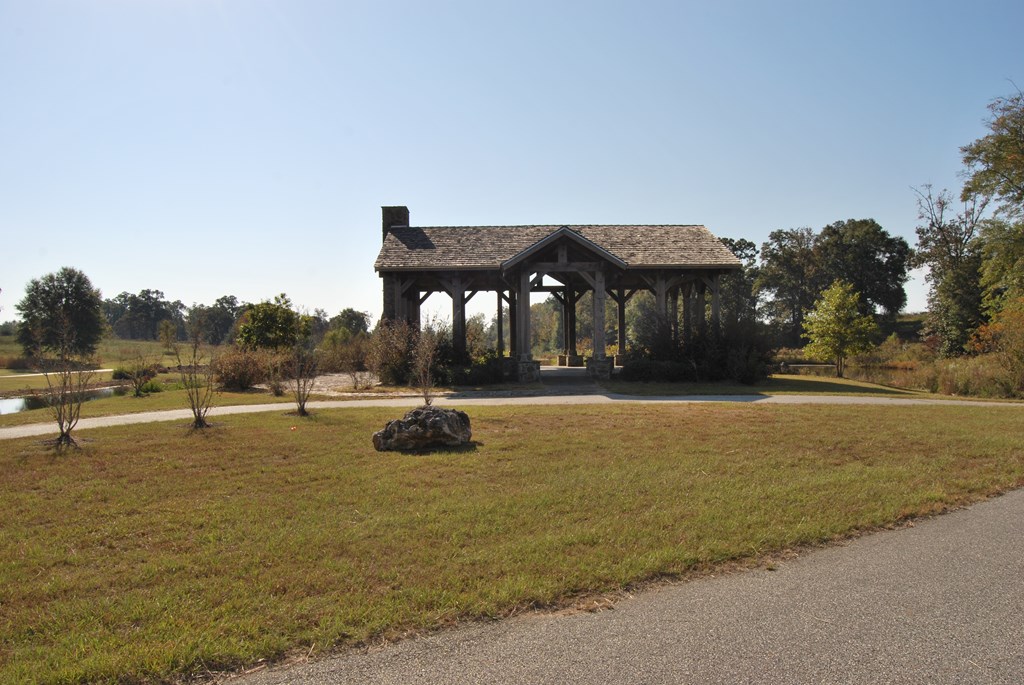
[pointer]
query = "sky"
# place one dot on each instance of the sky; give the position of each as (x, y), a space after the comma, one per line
(245, 147)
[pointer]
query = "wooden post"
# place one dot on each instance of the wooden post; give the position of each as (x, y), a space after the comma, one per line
(716, 304)
(687, 314)
(458, 316)
(525, 353)
(599, 295)
(513, 324)
(702, 316)
(571, 298)
(501, 327)
(673, 313)
(622, 320)
(566, 303)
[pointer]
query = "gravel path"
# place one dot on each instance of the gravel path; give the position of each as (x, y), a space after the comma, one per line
(475, 399)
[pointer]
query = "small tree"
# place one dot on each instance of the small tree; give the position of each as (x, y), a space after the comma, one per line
(168, 334)
(67, 378)
(196, 371)
(140, 370)
(424, 357)
(303, 365)
(836, 329)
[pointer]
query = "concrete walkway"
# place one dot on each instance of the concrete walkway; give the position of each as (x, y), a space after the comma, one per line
(470, 399)
(939, 602)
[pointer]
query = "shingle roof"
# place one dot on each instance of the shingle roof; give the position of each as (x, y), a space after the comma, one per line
(486, 247)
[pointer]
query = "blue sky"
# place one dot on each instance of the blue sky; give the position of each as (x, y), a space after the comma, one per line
(206, 147)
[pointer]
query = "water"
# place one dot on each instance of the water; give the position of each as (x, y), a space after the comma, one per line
(19, 404)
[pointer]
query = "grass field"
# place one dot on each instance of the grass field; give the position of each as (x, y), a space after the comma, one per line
(777, 384)
(155, 551)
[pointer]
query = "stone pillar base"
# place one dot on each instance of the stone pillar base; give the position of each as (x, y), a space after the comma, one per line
(620, 359)
(528, 372)
(600, 368)
(570, 360)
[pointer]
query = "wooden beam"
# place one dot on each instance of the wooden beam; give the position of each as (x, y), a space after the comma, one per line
(567, 266)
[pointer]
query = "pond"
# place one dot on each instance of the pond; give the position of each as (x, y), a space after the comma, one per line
(14, 405)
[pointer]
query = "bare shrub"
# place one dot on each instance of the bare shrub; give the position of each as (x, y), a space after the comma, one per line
(303, 369)
(196, 371)
(67, 386)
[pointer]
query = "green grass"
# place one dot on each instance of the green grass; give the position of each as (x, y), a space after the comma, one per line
(777, 384)
(155, 552)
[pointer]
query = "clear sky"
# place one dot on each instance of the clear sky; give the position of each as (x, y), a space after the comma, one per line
(245, 147)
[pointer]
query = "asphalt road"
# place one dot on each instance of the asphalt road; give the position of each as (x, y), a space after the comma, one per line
(939, 602)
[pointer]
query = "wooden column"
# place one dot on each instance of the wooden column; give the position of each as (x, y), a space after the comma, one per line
(524, 315)
(501, 327)
(566, 300)
(571, 297)
(599, 297)
(458, 294)
(687, 314)
(622, 320)
(513, 324)
(702, 317)
(673, 313)
(716, 304)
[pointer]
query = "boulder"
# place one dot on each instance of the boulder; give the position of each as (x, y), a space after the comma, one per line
(424, 428)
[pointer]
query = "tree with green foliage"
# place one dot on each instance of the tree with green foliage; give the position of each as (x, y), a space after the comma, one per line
(355, 322)
(790, 276)
(995, 162)
(862, 253)
(948, 244)
(271, 325)
(835, 327)
(1002, 266)
(60, 314)
(737, 293)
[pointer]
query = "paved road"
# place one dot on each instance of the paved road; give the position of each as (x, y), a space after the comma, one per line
(940, 602)
(473, 399)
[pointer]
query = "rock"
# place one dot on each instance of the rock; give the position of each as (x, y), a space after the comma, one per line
(424, 428)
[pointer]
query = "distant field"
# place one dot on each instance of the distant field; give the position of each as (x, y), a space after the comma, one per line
(155, 552)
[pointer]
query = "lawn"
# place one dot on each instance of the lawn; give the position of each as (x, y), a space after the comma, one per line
(156, 552)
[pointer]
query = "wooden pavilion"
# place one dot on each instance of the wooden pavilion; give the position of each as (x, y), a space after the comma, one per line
(673, 262)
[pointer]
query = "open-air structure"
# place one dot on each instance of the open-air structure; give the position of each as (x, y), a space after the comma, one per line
(675, 263)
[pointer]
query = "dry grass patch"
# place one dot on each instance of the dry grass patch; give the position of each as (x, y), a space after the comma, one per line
(155, 551)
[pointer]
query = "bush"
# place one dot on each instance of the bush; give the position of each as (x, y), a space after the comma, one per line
(19, 363)
(241, 369)
(390, 352)
(151, 386)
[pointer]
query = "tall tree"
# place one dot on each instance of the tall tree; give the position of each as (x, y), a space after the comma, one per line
(791, 276)
(875, 263)
(737, 293)
(947, 243)
(835, 327)
(995, 162)
(60, 314)
(1002, 267)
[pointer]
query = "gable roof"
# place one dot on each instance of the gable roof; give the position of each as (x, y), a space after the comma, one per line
(433, 248)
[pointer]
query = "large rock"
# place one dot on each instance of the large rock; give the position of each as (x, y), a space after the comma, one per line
(424, 428)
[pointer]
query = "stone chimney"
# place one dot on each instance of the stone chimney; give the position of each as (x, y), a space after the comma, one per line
(393, 216)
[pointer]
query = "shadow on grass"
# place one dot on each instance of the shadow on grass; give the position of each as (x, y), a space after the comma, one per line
(442, 449)
(778, 384)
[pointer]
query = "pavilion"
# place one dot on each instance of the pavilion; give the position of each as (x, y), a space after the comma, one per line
(673, 262)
